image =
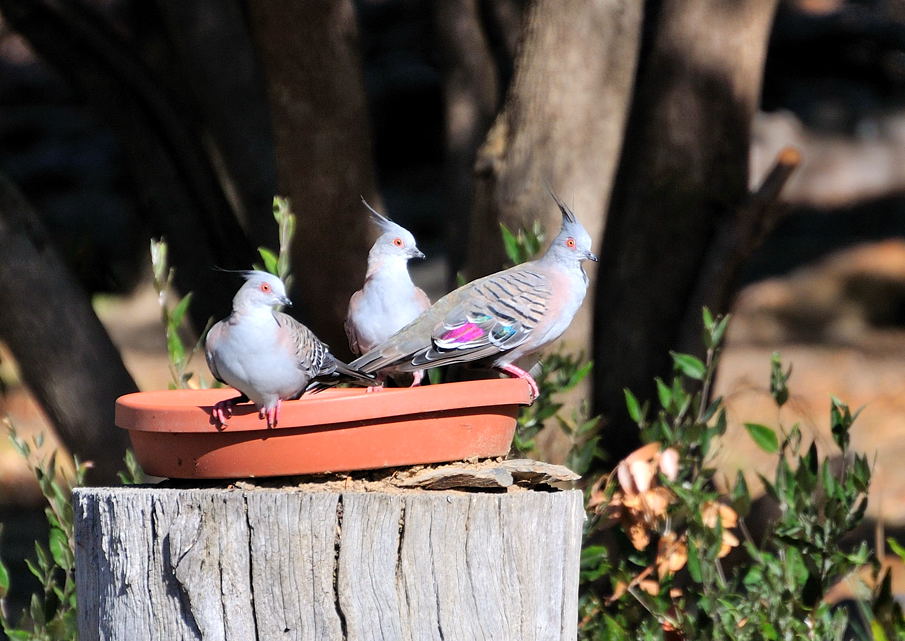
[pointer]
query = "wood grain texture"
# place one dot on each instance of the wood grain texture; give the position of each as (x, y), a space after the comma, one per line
(284, 564)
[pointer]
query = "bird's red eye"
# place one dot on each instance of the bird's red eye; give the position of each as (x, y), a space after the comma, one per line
(570, 243)
(265, 288)
(398, 242)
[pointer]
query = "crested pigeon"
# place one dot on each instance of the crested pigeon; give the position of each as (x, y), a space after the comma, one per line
(388, 300)
(265, 354)
(498, 318)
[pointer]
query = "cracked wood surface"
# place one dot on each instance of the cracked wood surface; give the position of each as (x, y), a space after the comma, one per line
(212, 564)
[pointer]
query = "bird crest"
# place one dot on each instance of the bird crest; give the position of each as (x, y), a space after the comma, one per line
(385, 225)
(568, 216)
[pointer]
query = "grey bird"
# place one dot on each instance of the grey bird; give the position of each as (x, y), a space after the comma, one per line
(388, 300)
(499, 318)
(268, 355)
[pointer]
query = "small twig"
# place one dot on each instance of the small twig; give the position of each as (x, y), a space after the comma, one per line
(760, 215)
(734, 240)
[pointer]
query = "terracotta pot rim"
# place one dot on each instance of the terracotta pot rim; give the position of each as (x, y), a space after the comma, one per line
(188, 411)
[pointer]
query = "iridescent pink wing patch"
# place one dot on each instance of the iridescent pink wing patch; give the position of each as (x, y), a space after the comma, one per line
(462, 334)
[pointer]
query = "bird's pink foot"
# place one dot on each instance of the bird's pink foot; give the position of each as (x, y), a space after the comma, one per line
(272, 414)
(518, 372)
(222, 411)
(416, 378)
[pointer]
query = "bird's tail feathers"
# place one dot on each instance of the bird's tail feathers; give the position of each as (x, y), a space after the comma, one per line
(356, 375)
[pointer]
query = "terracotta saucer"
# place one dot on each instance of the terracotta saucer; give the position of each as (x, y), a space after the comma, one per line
(335, 430)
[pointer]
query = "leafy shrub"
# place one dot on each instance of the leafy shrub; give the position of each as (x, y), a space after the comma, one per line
(654, 566)
(51, 614)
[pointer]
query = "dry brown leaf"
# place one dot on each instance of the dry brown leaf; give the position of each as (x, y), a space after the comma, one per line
(644, 453)
(650, 586)
(642, 474)
(669, 463)
(672, 554)
(638, 535)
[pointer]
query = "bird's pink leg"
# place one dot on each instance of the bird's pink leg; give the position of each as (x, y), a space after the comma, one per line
(416, 378)
(518, 372)
(272, 414)
(222, 411)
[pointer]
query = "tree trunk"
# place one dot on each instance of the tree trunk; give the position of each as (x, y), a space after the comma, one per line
(562, 124)
(176, 184)
(470, 95)
(64, 353)
(684, 171)
(288, 564)
(309, 53)
(219, 70)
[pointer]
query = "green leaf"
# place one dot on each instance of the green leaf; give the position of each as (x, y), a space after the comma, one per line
(36, 611)
(175, 347)
(179, 310)
(778, 380)
(589, 425)
(689, 365)
(740, 496)
(719, 331)
(876, 630)
(577, 376)
(510, 243)
(4, 580)
(59, 548)
(43, 556)
(896, 547)
(34, 569)
(271, 260)
(694, 561)
(754, 576)
(707, 317)
(764, 437)
(631, 404)
(580, 458)
(663, 393)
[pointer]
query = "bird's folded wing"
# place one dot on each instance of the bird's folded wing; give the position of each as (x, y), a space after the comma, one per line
(349, 325)
(494, 315)
(210, 343)
(311, 354)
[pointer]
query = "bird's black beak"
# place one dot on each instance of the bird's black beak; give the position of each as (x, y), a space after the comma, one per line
(417, 253)
(284, 300)
(591, 256)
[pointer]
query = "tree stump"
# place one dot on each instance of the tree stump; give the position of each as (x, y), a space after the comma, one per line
(285, 563)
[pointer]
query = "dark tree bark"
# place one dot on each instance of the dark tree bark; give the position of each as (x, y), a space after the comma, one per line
(218, 69)
(562, 124)
(683, 174)
(64, 353)
(471, 95)
(177, 186)
(309, 52)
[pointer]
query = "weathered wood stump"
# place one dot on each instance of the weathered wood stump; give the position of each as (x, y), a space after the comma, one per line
(262, 563)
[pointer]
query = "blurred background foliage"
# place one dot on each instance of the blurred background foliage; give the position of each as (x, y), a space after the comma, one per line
(661, 123)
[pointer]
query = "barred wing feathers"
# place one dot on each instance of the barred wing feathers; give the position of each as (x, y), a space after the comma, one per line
(488, 316)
